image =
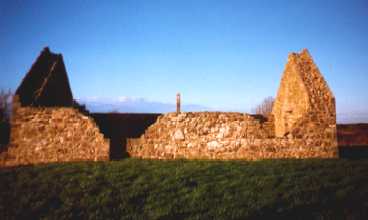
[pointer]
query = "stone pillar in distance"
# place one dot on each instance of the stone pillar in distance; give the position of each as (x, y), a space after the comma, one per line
(178, 103)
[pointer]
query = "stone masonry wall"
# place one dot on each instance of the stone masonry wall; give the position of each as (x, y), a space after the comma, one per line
(53, 134)
(45, 128)
(304, 106)
(215, 135)
(302, 125)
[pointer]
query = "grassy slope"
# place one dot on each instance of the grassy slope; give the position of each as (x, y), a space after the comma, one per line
(149, 189)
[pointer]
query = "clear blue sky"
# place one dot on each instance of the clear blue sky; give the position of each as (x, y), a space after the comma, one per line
(227, 55)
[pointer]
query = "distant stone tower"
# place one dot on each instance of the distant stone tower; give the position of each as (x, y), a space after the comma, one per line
(178, 103)
(304, 106)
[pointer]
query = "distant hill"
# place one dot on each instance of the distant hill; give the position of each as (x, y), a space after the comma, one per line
(352, 117)
(141, 105)
(135, 105)
(352, 134)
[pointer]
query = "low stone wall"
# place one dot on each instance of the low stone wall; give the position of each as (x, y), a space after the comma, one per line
(216, 135)
(57, 134)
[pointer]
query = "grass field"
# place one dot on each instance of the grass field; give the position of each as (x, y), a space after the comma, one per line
(151, 189)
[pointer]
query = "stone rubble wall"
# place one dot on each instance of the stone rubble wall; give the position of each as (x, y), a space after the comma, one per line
(215, 135)
(304, 106)
(292, 100)
(320, 122)
(46, 128)
(53, 134)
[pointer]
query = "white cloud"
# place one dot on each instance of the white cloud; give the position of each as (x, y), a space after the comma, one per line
(133, 104)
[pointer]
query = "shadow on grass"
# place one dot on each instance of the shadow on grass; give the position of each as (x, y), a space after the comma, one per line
(353, 152)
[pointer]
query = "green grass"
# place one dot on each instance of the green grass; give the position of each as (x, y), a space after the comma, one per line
(150, 189)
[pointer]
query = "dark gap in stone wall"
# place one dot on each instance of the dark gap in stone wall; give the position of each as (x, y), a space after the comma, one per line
(120, 126)
(4, 135)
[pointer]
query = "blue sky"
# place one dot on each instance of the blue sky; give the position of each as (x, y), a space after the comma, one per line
(226, 55)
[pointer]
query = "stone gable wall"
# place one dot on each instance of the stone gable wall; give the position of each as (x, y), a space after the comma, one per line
(292, 100)
(50, 134)
(46, 83)
(215, 135)
(304, 106)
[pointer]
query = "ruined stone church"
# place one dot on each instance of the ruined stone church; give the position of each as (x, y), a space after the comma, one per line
(47, 125)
